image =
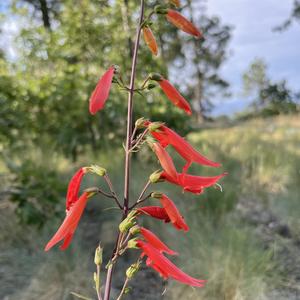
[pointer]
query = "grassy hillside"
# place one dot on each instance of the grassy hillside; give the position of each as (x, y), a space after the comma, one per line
(244, 240)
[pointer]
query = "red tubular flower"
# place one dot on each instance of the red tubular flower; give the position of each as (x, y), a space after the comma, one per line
(156, 212)
(173, 95)
(150, 40)
(165, 160)
(66, 230)
(192, 183)
(165, 267)
(167, 136)
(101, 92)
(182, 23)
(176, 218)
(153, 240)
(73, 188)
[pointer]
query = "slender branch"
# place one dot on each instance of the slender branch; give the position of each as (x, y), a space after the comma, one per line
(128, 146)
(133, 134)
(123, 289)
(130, 109)
(98, 290)
(140, 198)
(140, 201)
(112, 197)
(144, 190)
(140, 138)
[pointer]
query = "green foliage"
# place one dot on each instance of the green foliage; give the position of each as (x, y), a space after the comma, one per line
(36, 191)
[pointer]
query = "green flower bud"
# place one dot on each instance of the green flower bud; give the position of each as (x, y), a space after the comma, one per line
(160, 9)
(134, 230)
(97, 170)
(157, 195)
(98, 256)
(126, 224)
(132, 270)
(131, 244)
(155, 176)
(155, 76)
(139, 123)
(155, 126)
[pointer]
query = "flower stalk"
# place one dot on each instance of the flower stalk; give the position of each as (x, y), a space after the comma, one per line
(128, 143)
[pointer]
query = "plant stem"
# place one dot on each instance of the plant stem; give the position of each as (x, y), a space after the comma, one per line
(129, 111)
(128, 145)
(123, 289)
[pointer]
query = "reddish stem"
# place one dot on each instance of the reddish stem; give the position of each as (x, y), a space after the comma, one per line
(128, 146)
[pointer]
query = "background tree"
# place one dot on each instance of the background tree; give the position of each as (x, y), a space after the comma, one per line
(269, 98)
(294, 16)
(199, 62)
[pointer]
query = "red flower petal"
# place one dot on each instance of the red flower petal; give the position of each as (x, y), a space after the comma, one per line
(165, 267)
(167, 136)
(165, 160)
(101, 92)
(153, 240)
(174, 96)
(150, 40)
(192, 183)
(182, 23)
(66, 230)
(154, 212)
(176, 218)
(73, 188)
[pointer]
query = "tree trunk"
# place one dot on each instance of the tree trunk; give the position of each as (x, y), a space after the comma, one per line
(45, 14)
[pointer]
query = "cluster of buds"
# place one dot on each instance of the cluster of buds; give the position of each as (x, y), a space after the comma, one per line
(132, 235)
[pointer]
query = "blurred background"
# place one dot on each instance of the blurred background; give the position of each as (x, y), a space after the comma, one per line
(243, 84)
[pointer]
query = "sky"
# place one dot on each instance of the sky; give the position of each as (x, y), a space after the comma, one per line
(252, 37)
(253, 21)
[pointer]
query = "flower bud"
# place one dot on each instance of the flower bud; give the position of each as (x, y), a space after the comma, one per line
(134, 230)
(154, 126)
(132, 270)
(91, 191)
(117, 69)
(139, 123)
(97, 170)
(132, 244)
(156, 195)
(160, 9)
(98, 256)
(155, 176)
(126, 224)
(151, 86)
(155, 76)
